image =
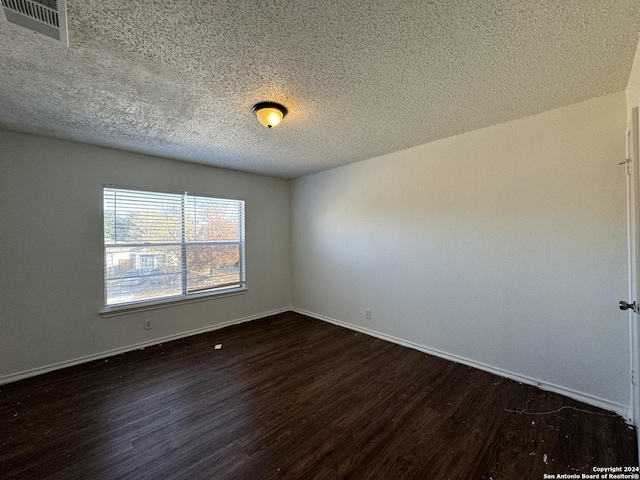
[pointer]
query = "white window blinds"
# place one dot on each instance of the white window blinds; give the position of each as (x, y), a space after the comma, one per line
(160, 245)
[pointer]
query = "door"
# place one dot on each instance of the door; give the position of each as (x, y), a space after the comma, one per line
(633, 210)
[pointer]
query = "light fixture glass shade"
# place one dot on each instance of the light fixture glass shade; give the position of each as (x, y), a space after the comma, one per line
(269, 117)
(269, 114)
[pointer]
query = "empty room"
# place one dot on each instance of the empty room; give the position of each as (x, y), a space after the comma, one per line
(319, 239)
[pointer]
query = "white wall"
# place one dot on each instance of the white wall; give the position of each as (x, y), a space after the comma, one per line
(51, 256)
(505, 246)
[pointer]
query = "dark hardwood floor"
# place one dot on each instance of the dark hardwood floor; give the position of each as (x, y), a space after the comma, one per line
(293, 397)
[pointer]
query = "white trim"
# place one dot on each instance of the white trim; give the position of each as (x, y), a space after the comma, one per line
(63, 25)
(629, 167)
(134, 307)
(14, 377)
(633, 193)
(622, 410)
(173, 192)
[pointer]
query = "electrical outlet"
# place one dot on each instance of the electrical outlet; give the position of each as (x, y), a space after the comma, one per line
(367, 313)
(147, 324)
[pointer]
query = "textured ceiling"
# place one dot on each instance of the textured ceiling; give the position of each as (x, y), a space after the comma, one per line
(360, 78)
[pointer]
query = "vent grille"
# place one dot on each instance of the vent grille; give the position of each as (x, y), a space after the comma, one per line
(45, 12)
(47, 17)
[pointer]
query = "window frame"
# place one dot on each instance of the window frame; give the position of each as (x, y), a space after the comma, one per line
(183, 244)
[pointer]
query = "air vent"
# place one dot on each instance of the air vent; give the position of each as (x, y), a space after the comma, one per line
(46, 17)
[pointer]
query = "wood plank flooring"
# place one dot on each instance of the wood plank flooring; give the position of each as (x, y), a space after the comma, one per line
(289, 397)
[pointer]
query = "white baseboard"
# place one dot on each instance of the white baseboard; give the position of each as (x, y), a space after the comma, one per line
(622, 410)
(14, 377)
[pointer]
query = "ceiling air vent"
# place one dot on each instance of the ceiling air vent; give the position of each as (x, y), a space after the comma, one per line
(47, 17)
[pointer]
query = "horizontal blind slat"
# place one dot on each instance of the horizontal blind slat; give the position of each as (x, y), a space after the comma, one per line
(140, 217)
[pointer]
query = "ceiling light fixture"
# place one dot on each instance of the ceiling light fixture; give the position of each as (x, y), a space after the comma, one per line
(269, 114)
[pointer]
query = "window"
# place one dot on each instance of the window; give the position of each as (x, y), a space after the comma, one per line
(162, 246)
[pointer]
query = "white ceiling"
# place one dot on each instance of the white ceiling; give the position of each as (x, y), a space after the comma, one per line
(360, 77)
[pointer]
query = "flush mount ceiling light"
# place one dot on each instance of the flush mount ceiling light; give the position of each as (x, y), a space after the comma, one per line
(269, 114)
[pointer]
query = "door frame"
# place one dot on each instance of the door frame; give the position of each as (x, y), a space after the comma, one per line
(633, 215)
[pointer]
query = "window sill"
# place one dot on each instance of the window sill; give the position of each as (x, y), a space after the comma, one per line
(171, 302)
